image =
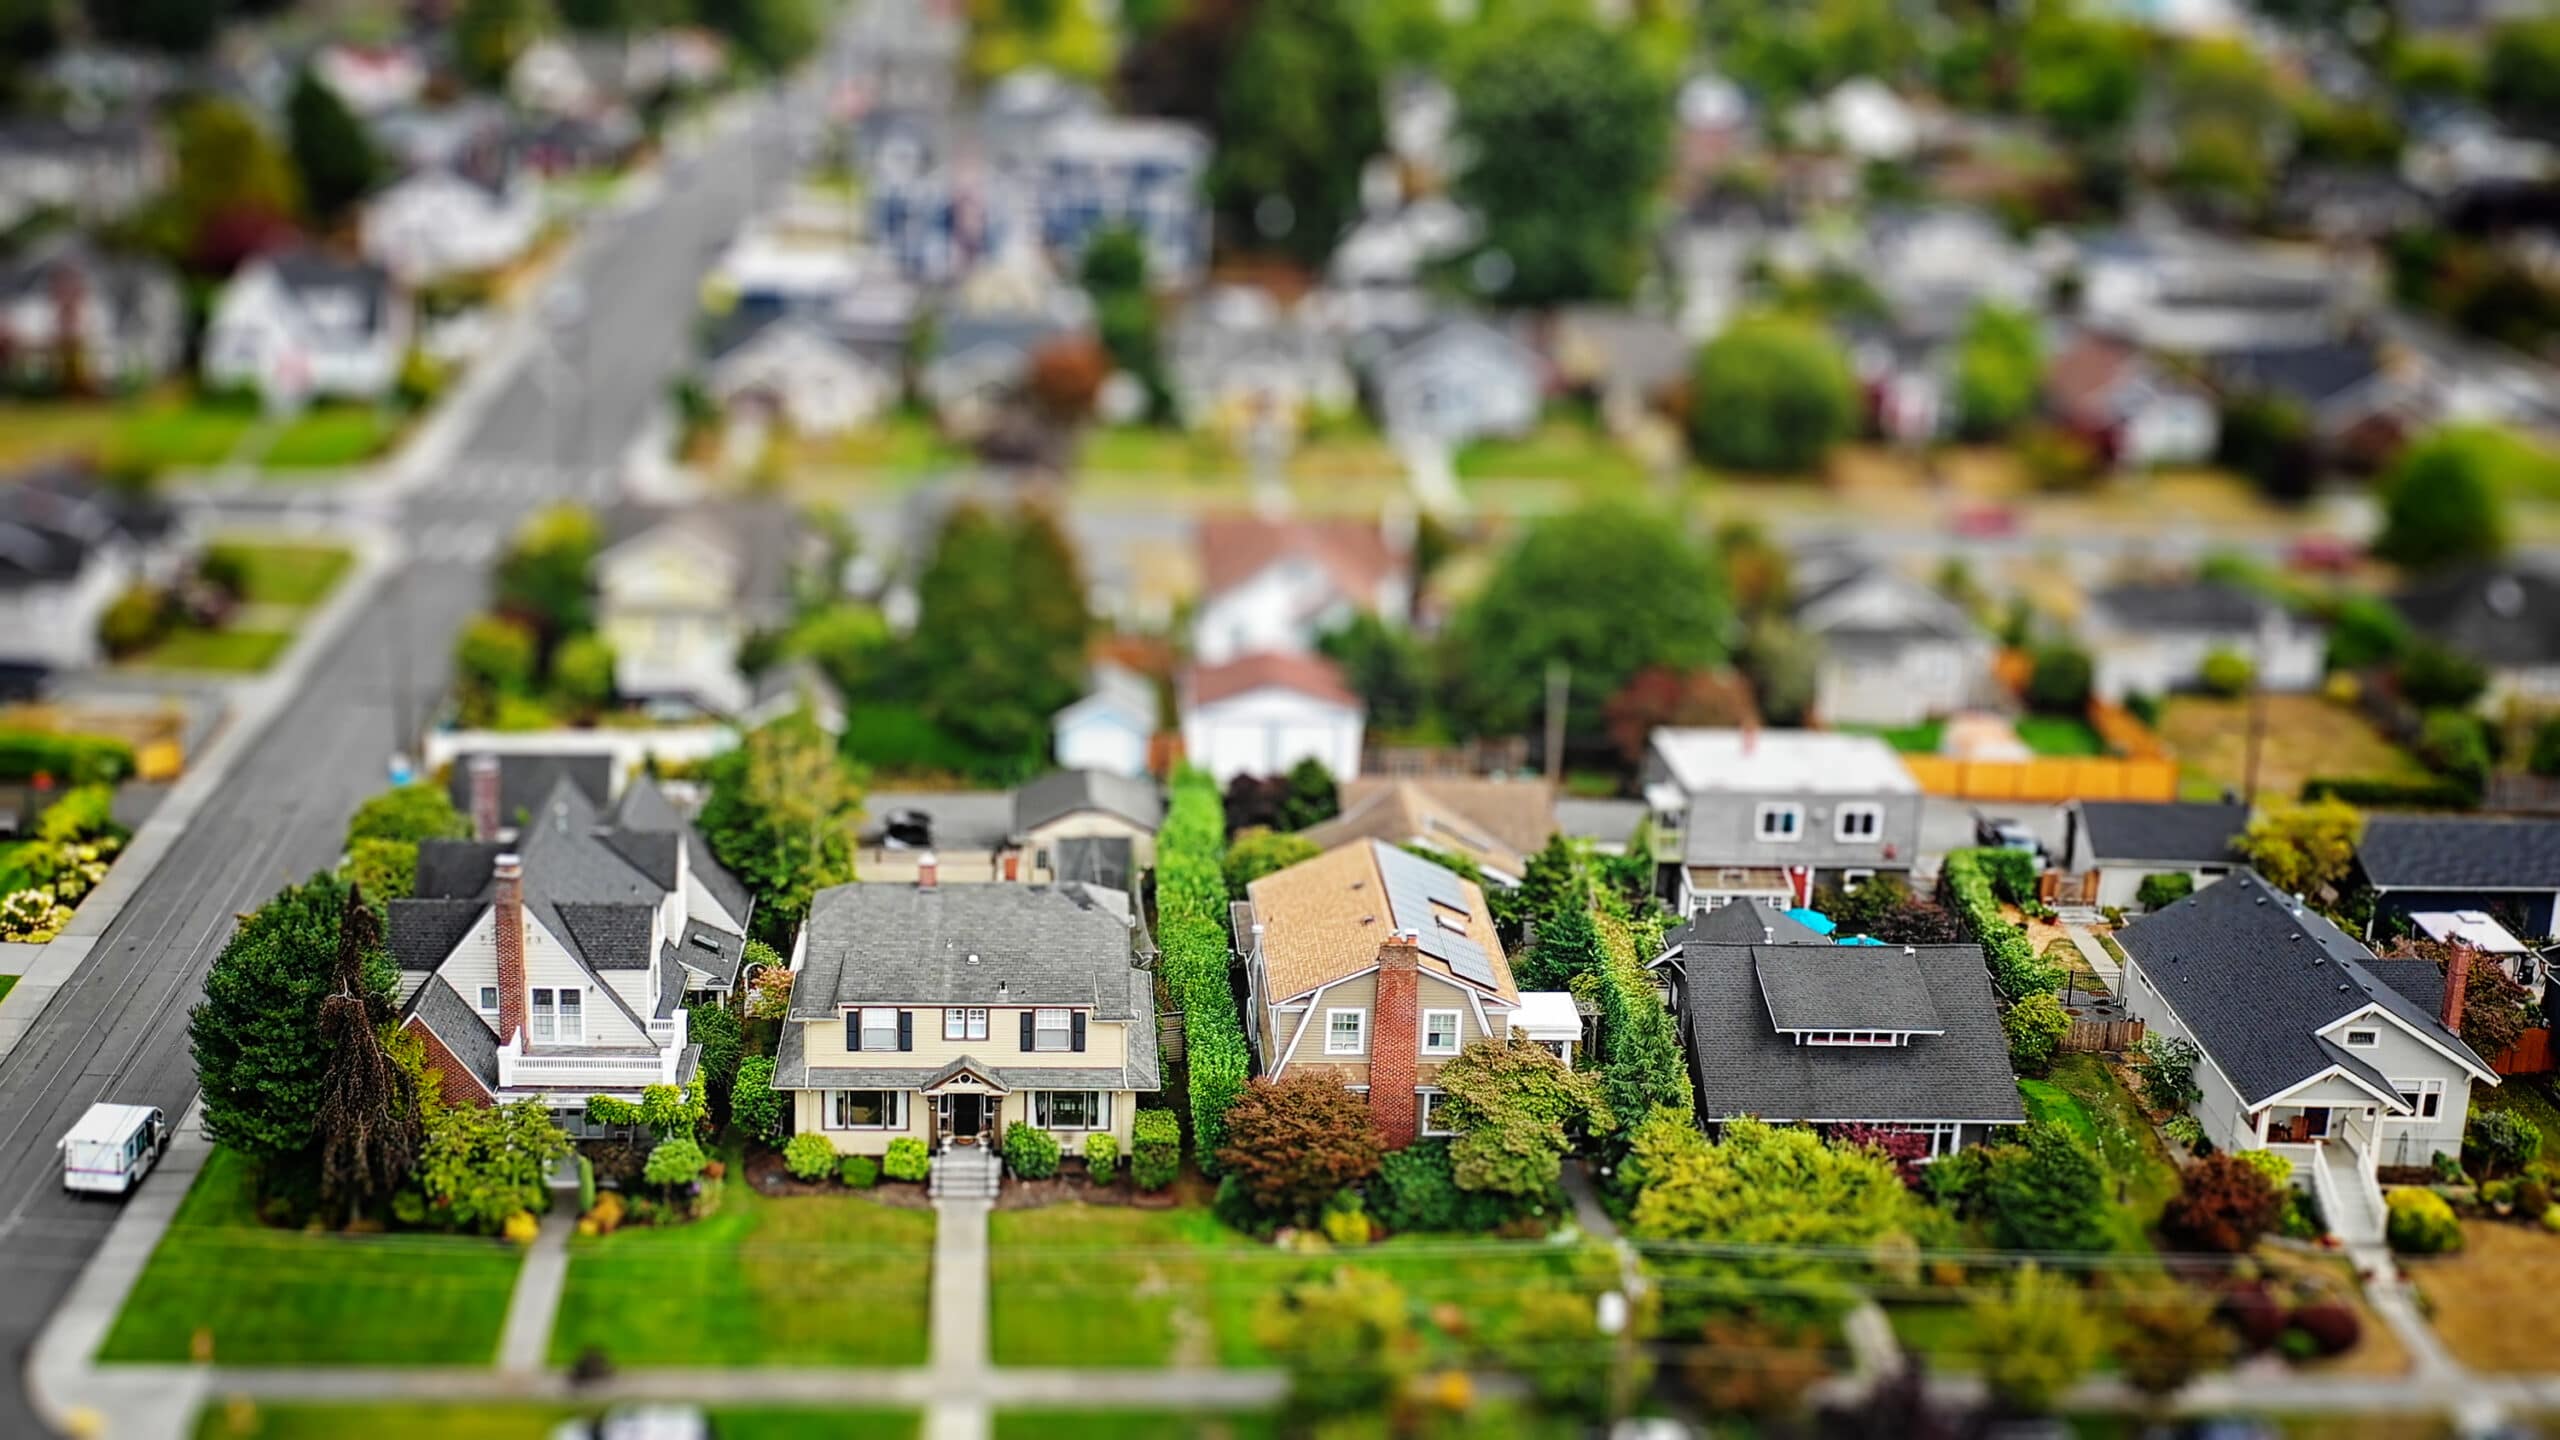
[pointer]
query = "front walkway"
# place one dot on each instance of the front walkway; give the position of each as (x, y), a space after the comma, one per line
(959, 1409)
(526, 1342)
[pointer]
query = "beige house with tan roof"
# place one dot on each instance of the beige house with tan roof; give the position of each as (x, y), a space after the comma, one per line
(1496, 823)
(1277, 584)
(1375, 966)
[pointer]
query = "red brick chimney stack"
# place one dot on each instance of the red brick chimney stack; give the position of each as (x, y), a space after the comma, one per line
(484, 797)
(928, 871)
(2457, 981)
(513, 999)
(1395, 1040)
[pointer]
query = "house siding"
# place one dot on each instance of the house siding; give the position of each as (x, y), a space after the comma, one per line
(809, 1110)
(2221, 1111)
(1433, 993)
(2406, 1059)
(474, 963)
(1106, 1045)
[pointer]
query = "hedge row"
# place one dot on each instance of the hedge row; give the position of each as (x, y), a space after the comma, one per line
(2430, 794)
(1643, 1067)
(1972, 882)
(66, 759)
(1191, 925)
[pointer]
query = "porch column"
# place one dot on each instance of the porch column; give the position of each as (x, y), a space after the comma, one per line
(2261, 1119)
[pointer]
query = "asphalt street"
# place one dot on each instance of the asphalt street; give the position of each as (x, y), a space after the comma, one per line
(558, 430)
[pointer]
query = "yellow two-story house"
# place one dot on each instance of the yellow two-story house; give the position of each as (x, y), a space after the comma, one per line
(949, 1012)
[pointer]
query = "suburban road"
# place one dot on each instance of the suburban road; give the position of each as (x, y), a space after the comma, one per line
(118, 1030)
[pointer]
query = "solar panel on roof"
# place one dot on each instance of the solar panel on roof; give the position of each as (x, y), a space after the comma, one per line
(1414, 886)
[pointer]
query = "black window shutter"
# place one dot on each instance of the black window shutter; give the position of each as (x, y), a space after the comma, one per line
(1026, 1030)
(1079, 1031)
(906, 1029)
(853, 1029)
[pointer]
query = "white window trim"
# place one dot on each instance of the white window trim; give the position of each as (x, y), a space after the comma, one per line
(896, 1109)
(1840, 823)
(971, 1020)
(2372, 1037)
(1457, 1032)
(1065, 1033)
(2421, 1089)
(1333, 1043)
(1850, 880)
(490, 1003)
(1769, 808)
(866, 1012)
(1040, 1102)
(1423, 1104)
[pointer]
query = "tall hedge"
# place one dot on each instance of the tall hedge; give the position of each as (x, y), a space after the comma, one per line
(1643, 1069)
(1971, 883)
(1191, 925)
(65, 759)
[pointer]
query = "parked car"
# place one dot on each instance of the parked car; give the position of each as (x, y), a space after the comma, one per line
(112, 1148)
(2003, 833)
(639, 1422)
(2323, 554)
(1985, 522)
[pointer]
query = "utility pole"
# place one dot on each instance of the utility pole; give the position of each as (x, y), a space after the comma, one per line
(1559, 676)
(2257, 719)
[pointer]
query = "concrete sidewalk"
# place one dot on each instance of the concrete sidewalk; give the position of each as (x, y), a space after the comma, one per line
(526, 1342)
(959, 1409)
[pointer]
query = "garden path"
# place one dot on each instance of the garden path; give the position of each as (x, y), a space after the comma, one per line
(959, 1409)
(526, 1342)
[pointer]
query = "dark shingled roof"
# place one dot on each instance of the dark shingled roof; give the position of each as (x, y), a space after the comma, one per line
(610, 937)
(2194, 605)
(1061, 793)
(2454, 852)
(901, 944)
(526, 781)
(424, 932)
(1845, 987)
(2255, 980)
(1744, 922)
(652, 853)
(460, 1027)
(2498, 617)
(1745, 1067)
(456, 869)
(2190, 832)
(718, 958)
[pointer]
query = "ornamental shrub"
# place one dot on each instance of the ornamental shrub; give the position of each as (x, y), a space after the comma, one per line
(908, 1159)
(2224, 1203)
(1345, 1222)
(2187, 1130)
(675, 1162)
(2035, 1027)
(2159, 892)
(586, 1185)
(1101, 1155)
(2166, 1065)
(2331, 1326)
(1155, 1149)
(609, 1110)
(1294, 1143)
(1030, 1153)
(859, 1171)
(607, 1212)
(754, 1105)
(2503, 1139)
(1416, 1188)
(2046, 1192)
(2532, 1198)
(2422, 1223)
(2275, 1167)
(520, 1228)
(1967, 885)
(809, 1156)
(2551, 1218)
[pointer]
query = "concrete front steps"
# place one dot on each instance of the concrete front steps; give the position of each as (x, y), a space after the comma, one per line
(966, 1172)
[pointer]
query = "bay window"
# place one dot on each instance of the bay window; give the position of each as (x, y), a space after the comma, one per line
(866, 1110)
(1071, 1109)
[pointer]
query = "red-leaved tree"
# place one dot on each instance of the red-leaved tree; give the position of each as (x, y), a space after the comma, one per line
(2223, 1204)
(1295, 1143)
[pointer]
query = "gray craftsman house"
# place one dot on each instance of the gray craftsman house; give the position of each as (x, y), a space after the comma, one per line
(2312, 1047)
(2115, 845)
(1776, 813)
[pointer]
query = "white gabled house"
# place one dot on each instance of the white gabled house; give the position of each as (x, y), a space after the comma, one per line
(798, 371)
(442, 221)
(1261, 714)
(296, 325)
(1110, 727)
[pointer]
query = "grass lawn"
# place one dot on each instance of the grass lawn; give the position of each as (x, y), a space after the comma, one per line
(2477, 1296)
(285, 1297)
(1132, 1425)
(2526, 1095)
(241, 1420)
(902, 442)
(1559, 449)
(1113, 1287)
(809, 1280)
(230, 652)
(285, 574)
(1153, 451)
(330, 436)
(2083, 1095)
(2305, 736)
(7, 984)
(148, 432)
(1921, 739)
(2060, 736)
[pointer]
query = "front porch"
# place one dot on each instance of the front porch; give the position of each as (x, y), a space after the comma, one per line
(964, 1107)
(2336, 1151)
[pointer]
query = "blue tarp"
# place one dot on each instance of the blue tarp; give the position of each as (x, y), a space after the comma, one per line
(1813, 920)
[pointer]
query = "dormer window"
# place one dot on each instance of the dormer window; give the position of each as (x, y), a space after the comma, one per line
(1852, 1037)
(2363, 1039)
(1780, 822)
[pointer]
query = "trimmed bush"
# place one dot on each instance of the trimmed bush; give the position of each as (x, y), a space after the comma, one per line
(809, 1156)
(1101, 1155)
(2035, 1027)
(1031, 1154)
(1971, 883)
(1191, 929)
(2331, 1326)
(859, 1171)
(754, 1105)
(1155, 1149)
(586, 1184)
(1416, 1188)
(2422, 1223)
(2224, 1203)
(907, 1159)
(2532, 1198)
(674, 1162)
(2158, 892)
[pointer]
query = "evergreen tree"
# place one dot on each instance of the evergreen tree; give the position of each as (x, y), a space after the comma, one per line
(331, 152)
(1001, 626)
(1568, 945)
(369, 1125)
(1298, 115)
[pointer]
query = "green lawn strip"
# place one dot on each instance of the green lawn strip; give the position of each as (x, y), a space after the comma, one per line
(1112, 1287)
(1557, 450)
(286, 1297)
(2127, 1145)
(509, 1420)
(144, 433)
(330, 437)
(1921, 739)
(2060, 737)
(2525, 1095)
(233, 652)
(1132, 1425)
(285, 573)
(7, 984)
(807, 1280)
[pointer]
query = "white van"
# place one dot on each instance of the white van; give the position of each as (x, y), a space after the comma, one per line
(112, 1148)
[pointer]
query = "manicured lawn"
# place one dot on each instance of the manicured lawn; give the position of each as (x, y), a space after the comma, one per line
(149, 432)
(284, 1297)
(901, 442)
(2528, 1096)
(815, 1280)
(330, 436)
(1921, 739)
(7, 984)
(1562, 449)
(2083, 1095)
(1105, 1286)
(2304, 736)
(285, 574)
(231, 652)
(1132, 1425)
(1150, 450)
(2059, 736)
(506, 1421)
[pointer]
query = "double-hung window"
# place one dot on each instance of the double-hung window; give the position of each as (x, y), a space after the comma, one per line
(558, 1015)
(1439, 1032)
(964, 1024)
(2425, 1098)
(1346, 1032)
(1780, 822)
(866, 1110)
(1429, 1103)
(1858, 823)
(1053, 1030)
(1071, 1109)
(879, 1028)
(489, 1001)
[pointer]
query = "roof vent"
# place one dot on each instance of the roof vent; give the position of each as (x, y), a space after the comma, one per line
(1910, 950)
(973, 957)
(2342, 987)
(705, 942)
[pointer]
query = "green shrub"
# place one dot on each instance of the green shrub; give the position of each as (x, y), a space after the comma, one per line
(1191, 915)
(2502, 1138)
(1029, 1152)
(136, 619)
(2455, 744)
(66, 759)
(754, 1105)
(2185, 1129)
(2059, 680)
(2551, 1217)
(1416, 1188)
(674, 1162)
(809, 1156)
(2046, 1192)
(2438, 794)
(2275, 1167)
(1345, 1223)
(612, 1110)
(2166, 1066)
(1155, 1149)
(722, 1036)
(2544, 758)
(2159, 892)
(2422, 1223)
(586, 1184)
(2035, 1027)
(859, 1171)
(2227, 673)
(908, 1159)
(1967, 883)
(1101, 1155)
(2532, 1198)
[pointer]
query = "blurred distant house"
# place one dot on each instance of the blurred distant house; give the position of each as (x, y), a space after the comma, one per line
(678, 592)
(1109, 728)
(1625, 359)
(371, 79)
(1022, 108)
(1261, 714)
(74, 317)
(795, 368)
(1903, 380)
(1892, 650)
(1088, 827)
(2132, 410)
(1391, 242)
(1865, 118)
(2361, 406)
(2186, 294)
(1238, 359)
(1777, 814)
(298, 324)
(1277, 585)
(69, 545)
(2431, 863)
(552, 145)
(470, 133)
(1460, 379)
(589, 75)
(2153, 639)
(2343, 205)
(1496, 824)
(1097, 172)
(92, 172)
(444, 221)
(2506, 617)
(996, 320)
(2454, 149)
(1936, 266)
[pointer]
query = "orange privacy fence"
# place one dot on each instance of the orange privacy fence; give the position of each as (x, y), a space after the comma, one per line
(2049, 780)
(2530, 1055)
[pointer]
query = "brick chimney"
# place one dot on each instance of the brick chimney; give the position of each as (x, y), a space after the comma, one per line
(513, 998)
(483, 770)
(2457, 981)
(1395, 1040)
(928, 871)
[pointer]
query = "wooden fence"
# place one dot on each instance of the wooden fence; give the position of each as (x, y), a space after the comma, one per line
(2046, 780)
(2101, 1037)
(2530, 1055)
(1170, 1036)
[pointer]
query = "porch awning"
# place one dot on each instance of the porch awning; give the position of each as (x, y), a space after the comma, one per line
(964, 1076)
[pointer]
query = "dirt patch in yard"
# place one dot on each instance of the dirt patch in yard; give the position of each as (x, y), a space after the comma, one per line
(2479, 1300)
(2304, 736)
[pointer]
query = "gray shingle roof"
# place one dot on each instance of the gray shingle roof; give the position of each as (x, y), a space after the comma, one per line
(1844, 987)
(1744, 922)
(646, 807)
(719, 959)
(728, 889)
(913, 944)
(2508, 616)
(526, 781)
(455, 869)
(459, 1027)
(610, 937)
(2132, 830)
(2254, 980)
(2195, 605)
(2445, 852)
(1745, 1067)
(1064, 792)
(424, 932)
(651, 852)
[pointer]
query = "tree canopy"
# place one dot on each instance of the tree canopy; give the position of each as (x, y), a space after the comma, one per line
(488, 35)
(2444, 501)
(1999, 371)
(2305, 849)
(1298, 115)
(783, 816)
(1771, 393)
(1001, 626)
(331, 152)
(1515, 1107)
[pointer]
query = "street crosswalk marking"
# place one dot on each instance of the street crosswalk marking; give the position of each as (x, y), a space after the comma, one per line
(506, 479)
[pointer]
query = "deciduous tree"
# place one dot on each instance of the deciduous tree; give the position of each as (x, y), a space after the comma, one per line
(2224, 1203)
(2305, 849)
(1515, 1108)
(782, 817)
(2037, 1338)
(1771, 393)
(999, 643)
(1999, 371)
(1294, 1143)
(1298, 114)
(1259, 852)
(2444, 501)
